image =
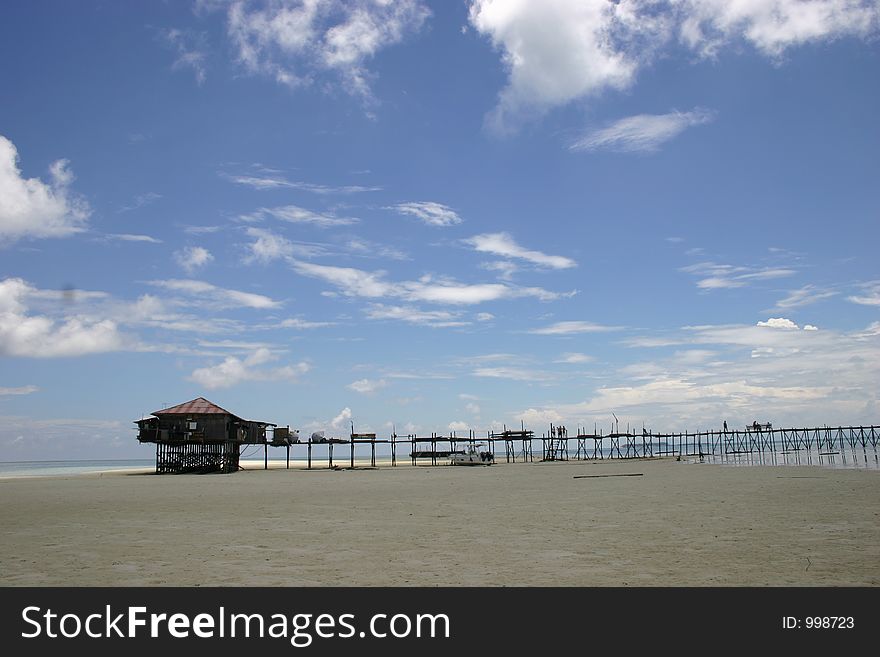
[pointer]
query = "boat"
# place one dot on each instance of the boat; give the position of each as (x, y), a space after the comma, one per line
(472, 456)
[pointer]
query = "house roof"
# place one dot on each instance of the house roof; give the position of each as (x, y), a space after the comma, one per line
(198, 406)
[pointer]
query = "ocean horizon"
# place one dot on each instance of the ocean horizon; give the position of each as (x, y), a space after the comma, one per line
(868, 459)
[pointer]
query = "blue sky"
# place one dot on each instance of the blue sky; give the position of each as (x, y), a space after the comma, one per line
(436, 215)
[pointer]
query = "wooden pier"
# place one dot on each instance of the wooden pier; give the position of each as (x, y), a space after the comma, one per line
(198, 436)
(558, 445)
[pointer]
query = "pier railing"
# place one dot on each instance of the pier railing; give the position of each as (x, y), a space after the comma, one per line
(558, 445)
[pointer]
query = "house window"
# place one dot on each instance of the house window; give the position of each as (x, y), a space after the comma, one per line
(192, 426)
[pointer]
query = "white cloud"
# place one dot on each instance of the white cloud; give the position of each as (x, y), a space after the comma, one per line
(503, 244)
(804, 296)
(367, 386)
(431, 213)
(295, 43)
(358, 283)
(217, 296)
(790, 383)
(572, 327)
(412, 315)
(505, 268)
(141, 200)
(233, 371)
(643, 132)
(38, 336)
(779, 322)
(262, 183)
(575, 358)
(267, 246)
(352, 282)
(152, 311)
(458, 426)
(201, 230)
(30, 207)
(472, 408)
(190, 53)
(344, 416)
(871, 296)
(485, 317)
(556, 51)
(773, 26)
(717, 276)
(21, 390)
(511, 373)
(374, 250)
(783, 323)
(191, 258)
(296, 323)
(297, 215)
(127, 237)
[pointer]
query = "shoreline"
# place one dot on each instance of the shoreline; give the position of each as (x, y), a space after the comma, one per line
(758, 460)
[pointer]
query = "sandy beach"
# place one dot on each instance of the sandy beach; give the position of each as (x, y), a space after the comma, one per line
(533, 524)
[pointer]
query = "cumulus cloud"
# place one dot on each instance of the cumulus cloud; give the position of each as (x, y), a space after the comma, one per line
(344, 416)
(30, 207)
(367, 386)
(233, 371)
(503, 244)
(644, 132)
(783, 323)
(430, 212)
(39, 336)
(778, 322)
(295, 42)
(556, 51)
(191, 258)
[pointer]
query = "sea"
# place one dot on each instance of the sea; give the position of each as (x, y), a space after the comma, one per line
(13, 469)
(845, 458)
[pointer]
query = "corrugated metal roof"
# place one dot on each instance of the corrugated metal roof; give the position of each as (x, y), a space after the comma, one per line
(197, 406)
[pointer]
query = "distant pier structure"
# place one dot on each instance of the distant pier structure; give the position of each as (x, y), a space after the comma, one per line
(199, 436)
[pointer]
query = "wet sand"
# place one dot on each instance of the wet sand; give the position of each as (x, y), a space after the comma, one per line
(535, 524)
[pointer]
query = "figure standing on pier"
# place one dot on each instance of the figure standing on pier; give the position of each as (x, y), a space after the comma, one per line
(725, 426)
